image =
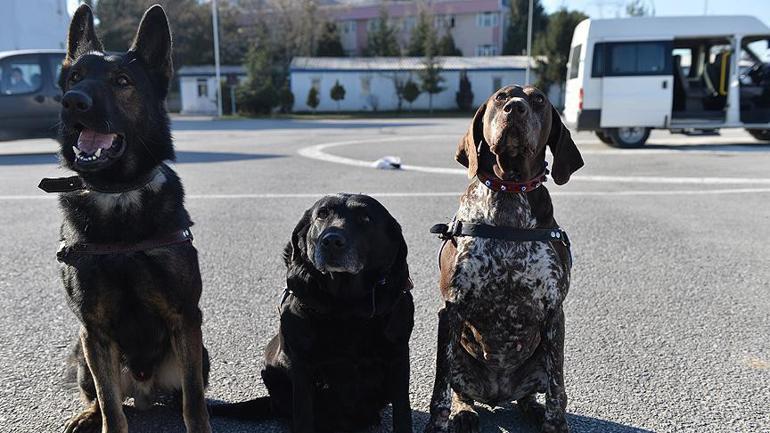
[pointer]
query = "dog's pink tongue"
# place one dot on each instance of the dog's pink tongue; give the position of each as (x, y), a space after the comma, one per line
(90, 141)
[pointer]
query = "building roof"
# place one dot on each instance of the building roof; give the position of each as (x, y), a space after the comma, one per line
(354, 64)
(208, 70)
(346, 10)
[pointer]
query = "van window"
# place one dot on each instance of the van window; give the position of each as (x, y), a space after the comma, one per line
(574, 61)
(20, 74)
(619, 59)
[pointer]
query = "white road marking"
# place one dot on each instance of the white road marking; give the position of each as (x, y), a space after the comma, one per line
(317, 152)
(435, 194)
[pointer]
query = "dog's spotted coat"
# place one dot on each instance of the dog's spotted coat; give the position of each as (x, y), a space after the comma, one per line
(501, 333)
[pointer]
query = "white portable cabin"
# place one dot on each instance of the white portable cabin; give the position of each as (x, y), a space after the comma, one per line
(627, 76)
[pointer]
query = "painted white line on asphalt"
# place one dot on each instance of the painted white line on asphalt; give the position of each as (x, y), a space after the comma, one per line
(436, 194)
(317, 152)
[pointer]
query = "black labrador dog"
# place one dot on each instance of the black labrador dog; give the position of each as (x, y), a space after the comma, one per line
(128, 265)
(342, 349)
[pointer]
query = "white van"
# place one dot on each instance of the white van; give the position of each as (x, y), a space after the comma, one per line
(686, 74)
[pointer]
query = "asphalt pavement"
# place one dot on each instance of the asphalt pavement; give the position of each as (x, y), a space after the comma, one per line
(668, 315)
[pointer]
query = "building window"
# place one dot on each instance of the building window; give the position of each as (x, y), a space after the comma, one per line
(203, 87)
(443, 21)
(366, 85)
(497, 83)
(316, 83)
(487, 19)
(348, 26)
(486, 50)
(408, 23)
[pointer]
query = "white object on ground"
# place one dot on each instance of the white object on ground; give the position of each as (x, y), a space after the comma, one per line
(388, 163)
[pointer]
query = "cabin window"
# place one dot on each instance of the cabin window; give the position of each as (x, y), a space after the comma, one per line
(619, 59)
(20, 74)
(574, 61)
(203, 87)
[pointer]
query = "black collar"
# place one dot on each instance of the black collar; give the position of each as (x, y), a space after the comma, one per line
(382, 282)
(460, 228)
(77, 183)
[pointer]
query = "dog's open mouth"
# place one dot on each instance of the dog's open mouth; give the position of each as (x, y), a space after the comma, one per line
(94, 149)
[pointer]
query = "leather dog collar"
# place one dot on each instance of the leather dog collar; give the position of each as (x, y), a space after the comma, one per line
(77, 183)
(496, 184)
(84, 248)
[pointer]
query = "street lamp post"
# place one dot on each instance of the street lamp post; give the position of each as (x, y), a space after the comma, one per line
(529, 43)
(215, 22)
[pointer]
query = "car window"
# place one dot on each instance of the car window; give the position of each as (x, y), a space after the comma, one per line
(574, 61)
(632, 58)
(55, 62)
(21, 74)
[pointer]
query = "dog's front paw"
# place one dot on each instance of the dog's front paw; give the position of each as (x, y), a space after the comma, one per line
(88, 421)
(556, 425)
(465, 421)
(438, 423)
(531, 410)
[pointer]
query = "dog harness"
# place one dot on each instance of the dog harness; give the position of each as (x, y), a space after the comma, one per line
(66, 252)
(448, 232)
(77, 183)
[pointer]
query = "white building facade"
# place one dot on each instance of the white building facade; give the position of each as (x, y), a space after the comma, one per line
(198, 87)
(369, 82)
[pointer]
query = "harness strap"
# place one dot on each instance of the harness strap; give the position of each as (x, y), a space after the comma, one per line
(95, 249)
(459, 228)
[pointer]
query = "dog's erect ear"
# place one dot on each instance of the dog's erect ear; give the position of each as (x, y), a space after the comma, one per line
(566, 156)
(82, 35)
(467, 154)
(152, 44)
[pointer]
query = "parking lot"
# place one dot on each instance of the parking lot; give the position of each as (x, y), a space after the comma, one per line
(668, 315)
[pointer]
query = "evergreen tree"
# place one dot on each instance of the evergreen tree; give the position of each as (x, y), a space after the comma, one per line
(430, 75)
(411, 92)
(554, 44)
(329, 43)
(637, 8)
(257, 95)
(312, 98)
(382, 40)
(464, 96)
(447, 47)
(337, 93)
(423, 34)
(516, 33)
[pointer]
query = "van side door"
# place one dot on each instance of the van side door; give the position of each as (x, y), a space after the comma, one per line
(637, 83)
(22, 99)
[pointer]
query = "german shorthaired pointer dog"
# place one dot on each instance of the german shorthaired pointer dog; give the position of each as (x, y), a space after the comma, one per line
(505, 268)
(341, 353)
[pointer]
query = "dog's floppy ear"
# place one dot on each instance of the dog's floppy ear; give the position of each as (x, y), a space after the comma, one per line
(566, 156)
(399, 270)
(295, 249)
(82, 35)
(152, 44)
(467, 154)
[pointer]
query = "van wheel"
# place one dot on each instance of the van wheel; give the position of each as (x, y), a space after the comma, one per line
(760, 134)
(627, 138)
(604, 138)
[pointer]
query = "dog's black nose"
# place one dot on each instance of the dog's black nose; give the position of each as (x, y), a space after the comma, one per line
(76, 101)
(516, 106)
(333, 241)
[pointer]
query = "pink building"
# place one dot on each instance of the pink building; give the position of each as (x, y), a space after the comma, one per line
(477, 26)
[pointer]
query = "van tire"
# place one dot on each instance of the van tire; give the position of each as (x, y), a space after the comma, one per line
(604, 138)
(760, 134)
(628, 138)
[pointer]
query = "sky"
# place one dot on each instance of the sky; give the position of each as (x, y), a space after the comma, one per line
(610, 8)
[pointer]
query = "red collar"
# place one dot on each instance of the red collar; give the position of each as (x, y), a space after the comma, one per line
(496, 184)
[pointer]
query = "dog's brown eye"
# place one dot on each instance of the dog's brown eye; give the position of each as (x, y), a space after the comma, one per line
(364, 219)
(322, 214)
(122, 80)
(539, 99)
(501, 97)
(75, 77)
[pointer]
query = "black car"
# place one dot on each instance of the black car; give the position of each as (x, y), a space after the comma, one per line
(29, 93)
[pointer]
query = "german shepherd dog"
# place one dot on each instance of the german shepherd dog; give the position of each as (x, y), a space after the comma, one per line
(127, 260)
